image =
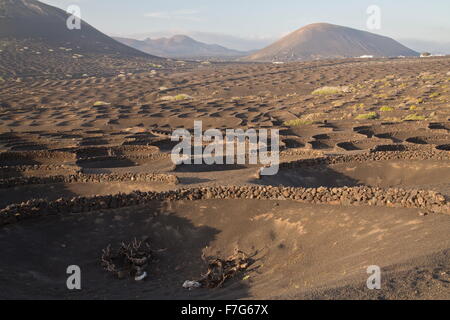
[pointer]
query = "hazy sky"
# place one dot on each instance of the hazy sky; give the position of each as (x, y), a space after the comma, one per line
(400, 19)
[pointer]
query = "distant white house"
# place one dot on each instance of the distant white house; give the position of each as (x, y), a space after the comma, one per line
(366, 57)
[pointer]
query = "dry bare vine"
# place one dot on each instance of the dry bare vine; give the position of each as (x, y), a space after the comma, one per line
(130, 259)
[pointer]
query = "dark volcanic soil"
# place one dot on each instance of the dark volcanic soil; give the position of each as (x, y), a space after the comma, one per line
(384, 123)
(301, 250)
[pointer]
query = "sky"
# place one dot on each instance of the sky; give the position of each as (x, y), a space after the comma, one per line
(263, 20)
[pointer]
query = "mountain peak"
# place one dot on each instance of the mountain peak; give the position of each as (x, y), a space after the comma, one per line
(319, 25)
(180, 37)
(176, 39)
(329, 41)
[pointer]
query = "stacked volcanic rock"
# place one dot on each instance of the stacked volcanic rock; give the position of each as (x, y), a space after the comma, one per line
(358, 196)
(134, 151)
(88, 152)
(370, 156)
(136, 148)
(14, 171)
(33, 155)
(90, 178)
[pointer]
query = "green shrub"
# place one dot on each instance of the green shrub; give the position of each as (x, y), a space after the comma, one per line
(367, 116)
(434, 95)
(100, 103)
(182, 97)
(297, 122)
(358, 106)
(330, 90)
(414, 117)
(386, 109)
(178, 97)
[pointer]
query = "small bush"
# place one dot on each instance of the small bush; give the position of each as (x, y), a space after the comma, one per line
(414, 108)
(182, 97)
(367, 116)
(100, 103)
(414, 117)
(434, 95)
(358, 106)
(386, 109)
(178, 97)
(331, 90)
(297, 122)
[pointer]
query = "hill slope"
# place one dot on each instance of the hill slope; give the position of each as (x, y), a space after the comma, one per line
(327, 41)
(31, 19)
(35, 40)
(180, 46)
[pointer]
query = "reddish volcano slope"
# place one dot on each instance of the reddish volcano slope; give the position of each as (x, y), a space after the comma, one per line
(326, 41)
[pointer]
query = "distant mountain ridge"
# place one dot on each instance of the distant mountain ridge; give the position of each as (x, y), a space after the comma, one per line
(328, 41)
(234, 42)
(180, 46)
